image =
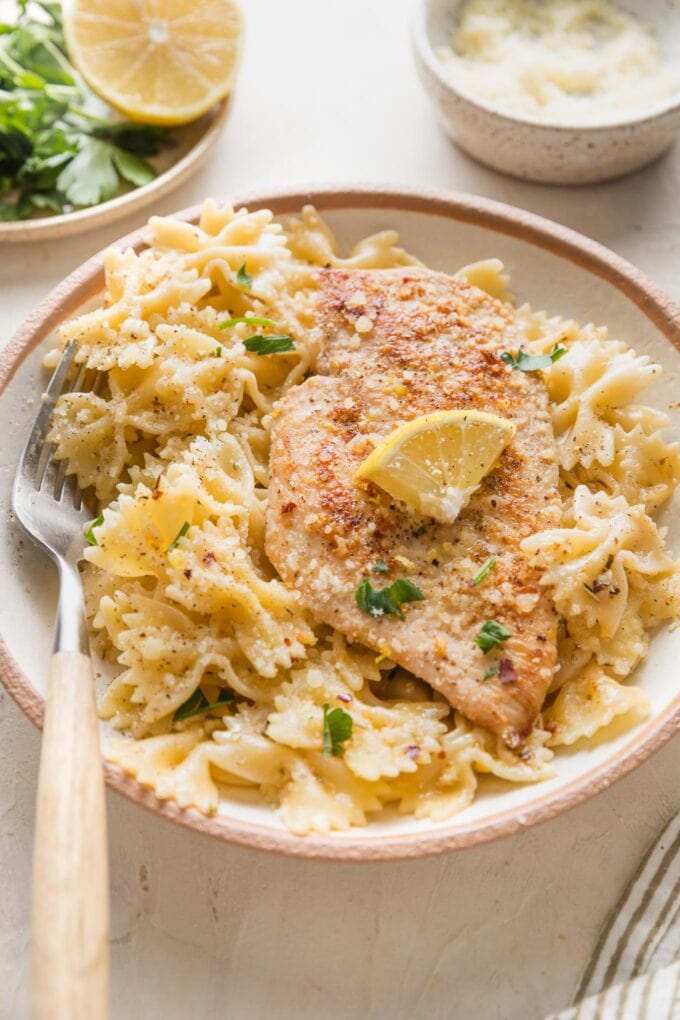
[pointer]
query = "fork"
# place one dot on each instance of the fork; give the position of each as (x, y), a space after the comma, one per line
(70, 953)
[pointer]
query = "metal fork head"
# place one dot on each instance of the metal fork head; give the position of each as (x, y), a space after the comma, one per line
(46, 501)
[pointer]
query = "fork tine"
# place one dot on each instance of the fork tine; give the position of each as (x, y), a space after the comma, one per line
(77, 494)
(47, 468)
(59, 474)
(31, 456)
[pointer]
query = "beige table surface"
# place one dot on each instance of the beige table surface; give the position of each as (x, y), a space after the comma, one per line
(201, 930)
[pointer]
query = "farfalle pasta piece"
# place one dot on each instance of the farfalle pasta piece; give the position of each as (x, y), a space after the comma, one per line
(610, 576)
(645, 468)
(165, 656)
(310, 239)
(213, 575)
(590, 381)
(589, 702)
(489, 275)
(325, 797)
(447, 784)
(187, 766)
(386, 739)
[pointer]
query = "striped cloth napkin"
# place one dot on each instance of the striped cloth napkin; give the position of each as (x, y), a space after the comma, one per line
(634, 973)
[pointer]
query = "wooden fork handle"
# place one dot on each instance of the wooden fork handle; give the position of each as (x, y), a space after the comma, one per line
(70, 978)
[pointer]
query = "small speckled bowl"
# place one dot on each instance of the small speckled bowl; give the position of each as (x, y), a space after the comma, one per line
(539, 151)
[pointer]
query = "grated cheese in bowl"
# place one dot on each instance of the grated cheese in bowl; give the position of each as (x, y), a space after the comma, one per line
(570, 62)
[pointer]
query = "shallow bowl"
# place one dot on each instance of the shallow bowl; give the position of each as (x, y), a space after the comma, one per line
(550, 266)
(532, 149)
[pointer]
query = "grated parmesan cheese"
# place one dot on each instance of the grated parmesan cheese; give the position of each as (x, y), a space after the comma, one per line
(561, 61)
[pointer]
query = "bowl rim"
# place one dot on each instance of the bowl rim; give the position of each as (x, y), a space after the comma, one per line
(424, 49)
(362, 845)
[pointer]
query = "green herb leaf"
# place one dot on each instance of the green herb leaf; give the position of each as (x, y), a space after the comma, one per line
(491, 634)
(131, 167)
(217, 353)
(485, 571)
(51, 200)
(269, 344)
(380, 567)
(35, 46)
(387, 601)
(419, 531)
(243, 278)
(248, 320)
(57, 139)
(491, 671)
(198, 704)
(91, 176)
(337, 729)
(404, 590)
(141, 139)
(180, 534)
(533, 362)
(89, 534)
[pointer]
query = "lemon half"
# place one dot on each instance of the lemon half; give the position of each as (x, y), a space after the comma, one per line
(161, 63)
(434, 463)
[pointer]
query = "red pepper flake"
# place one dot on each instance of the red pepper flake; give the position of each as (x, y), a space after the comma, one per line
(209, 557)
(412, 751)
(506, 672)
(187, 574)
(441, 754)
(288, 508)
(344, 697)
(287, 642)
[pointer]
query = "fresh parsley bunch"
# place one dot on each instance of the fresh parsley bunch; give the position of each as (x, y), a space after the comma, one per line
(59, 146)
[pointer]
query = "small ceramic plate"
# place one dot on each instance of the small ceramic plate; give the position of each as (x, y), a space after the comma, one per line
(174, 163)
(551, 267)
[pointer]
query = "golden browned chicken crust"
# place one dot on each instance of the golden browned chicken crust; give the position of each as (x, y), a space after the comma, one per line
(399, 343)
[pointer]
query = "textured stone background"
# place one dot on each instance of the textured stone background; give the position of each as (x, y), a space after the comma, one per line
(201, 930)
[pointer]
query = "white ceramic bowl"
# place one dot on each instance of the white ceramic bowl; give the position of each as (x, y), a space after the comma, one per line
(551, 267)
(539, 151)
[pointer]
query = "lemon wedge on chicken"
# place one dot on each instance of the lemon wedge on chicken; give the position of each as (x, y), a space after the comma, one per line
(160, 63)
(435, 462)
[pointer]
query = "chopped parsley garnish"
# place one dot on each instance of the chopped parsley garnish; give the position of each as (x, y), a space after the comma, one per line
(491, 671)
(419, 531)
(269, 344)
(217, 353)
(89, 534)
(387, 601)
(247, 320)
(337, 729)
(533, 362)
(380, 567)
(180, 534)
(198, 704)
(59, 146)
(486, 570)
(491, 634)
(243, 278)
